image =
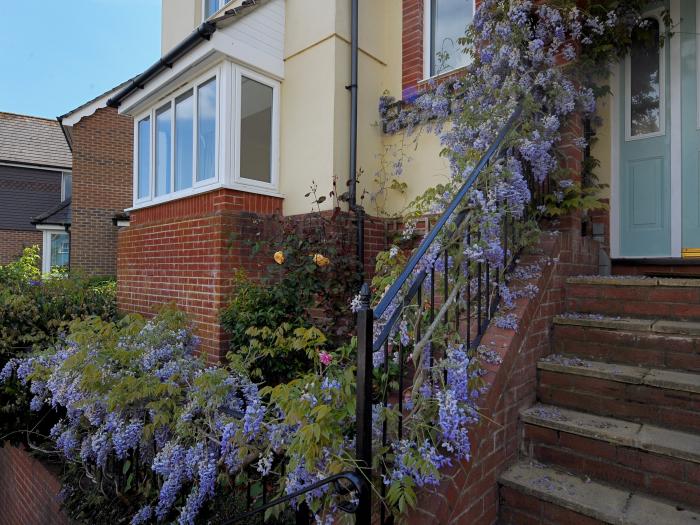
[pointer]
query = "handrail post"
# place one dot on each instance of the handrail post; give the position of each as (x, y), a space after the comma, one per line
(363, 441)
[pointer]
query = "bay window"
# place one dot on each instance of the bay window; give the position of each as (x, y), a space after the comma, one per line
(219, 130)
(446, 23)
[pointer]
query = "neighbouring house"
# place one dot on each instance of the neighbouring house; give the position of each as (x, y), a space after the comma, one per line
(101, 144)
(35, 181)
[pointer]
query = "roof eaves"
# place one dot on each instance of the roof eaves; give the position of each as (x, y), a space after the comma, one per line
(43, 218)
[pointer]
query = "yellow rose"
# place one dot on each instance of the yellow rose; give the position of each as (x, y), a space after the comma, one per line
(279, 257)
(321, 261)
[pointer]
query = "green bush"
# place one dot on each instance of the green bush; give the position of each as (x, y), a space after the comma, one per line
(34, 312)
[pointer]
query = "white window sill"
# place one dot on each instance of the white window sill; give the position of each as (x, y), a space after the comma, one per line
(270, 192)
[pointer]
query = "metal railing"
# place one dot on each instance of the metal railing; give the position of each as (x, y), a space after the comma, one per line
(424, 289)
(353, 484)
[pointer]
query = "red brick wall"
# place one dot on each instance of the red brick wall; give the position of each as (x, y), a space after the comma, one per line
(412, 46)
(28, 490)
(102, 187)
(181, 252)
(469, 494)
(12, 242)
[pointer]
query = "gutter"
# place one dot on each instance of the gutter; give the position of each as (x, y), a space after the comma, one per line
(358, 209)
(203, 32)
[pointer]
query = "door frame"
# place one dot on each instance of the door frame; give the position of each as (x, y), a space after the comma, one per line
(673, 128)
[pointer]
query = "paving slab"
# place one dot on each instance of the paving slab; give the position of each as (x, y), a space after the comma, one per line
(680, 282)
(610, 280)
(610, 323)
(663, 441)
(644, 510)
(673, 380)
(584, 367)
(664, 326)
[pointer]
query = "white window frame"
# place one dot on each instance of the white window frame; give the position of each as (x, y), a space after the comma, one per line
(222, 5)
(427, 37)
(238, 74)
(47, 231)
(63, 184)
(197, 186)
(657, 14)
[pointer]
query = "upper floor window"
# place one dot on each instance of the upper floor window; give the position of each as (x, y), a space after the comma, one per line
(221, 130)
(212, 6)
(446, 23)
(66, 185)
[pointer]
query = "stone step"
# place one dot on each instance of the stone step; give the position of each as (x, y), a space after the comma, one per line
(535, 493)
(641, 457)
(659, 396)
(657, 343)
(631, 296)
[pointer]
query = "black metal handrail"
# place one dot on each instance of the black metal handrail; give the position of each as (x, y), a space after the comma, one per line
(427, 242)
(466, 311)
(357, 485)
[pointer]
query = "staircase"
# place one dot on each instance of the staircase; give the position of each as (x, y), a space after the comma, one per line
(615, 435)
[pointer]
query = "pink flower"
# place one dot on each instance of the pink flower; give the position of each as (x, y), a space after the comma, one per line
(325, 358)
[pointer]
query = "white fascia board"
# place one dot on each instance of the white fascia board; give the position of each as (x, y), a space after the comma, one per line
(184, 69)
(248, 55)
(73, 118)
(51, 227)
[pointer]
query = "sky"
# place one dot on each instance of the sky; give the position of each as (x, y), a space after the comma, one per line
(57, 54)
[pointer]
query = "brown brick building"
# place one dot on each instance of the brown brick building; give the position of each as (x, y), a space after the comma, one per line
(101, 141)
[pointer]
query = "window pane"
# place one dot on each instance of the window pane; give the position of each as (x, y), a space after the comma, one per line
(645, 96)
(67, 186)
(184, 141)
(212, 6)
(449, 21)
(60, 249)
(206, 130)
(163, 147)
(256, 130)
(144, 160)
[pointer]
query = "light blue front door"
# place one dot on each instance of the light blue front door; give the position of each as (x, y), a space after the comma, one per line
(644, 169)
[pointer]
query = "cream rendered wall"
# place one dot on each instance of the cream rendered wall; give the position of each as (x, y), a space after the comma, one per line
(602, 148)
(179, 18)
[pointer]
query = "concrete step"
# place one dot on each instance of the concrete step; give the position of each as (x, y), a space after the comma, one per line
(535, 493)
(631, 296)
(640, 457)
(653, 395)
(657, 343)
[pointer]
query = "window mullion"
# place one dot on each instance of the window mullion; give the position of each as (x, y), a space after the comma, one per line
(195, 131)
(172, 147)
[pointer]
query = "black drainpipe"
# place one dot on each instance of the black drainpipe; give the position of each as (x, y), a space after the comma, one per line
(359, 211)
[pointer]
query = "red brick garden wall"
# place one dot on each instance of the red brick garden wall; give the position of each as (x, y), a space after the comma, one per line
(469, 494)
(12, 242)
(102, 187)
(28, 490)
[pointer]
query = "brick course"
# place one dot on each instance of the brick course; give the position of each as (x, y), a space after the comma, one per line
(12, 242)
(102, 187)
(28, 490)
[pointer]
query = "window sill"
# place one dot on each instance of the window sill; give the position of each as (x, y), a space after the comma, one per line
(270, 192)
(444, 75)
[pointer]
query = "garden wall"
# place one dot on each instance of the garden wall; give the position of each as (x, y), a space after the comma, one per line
(469, 492)
(28, 490)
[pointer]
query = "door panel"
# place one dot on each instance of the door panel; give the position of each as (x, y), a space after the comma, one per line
(645, 181)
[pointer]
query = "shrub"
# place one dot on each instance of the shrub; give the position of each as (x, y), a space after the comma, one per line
(34, 312)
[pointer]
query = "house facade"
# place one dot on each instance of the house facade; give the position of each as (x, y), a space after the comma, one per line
(35, 183)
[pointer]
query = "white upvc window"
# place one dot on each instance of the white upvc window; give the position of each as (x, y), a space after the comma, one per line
(66, 185)
(175, 145)
(211, 7)
(56, 248)
(446, 22)
(220, 130)
(256, 130)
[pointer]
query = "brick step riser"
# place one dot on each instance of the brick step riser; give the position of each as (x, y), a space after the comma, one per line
(653, 302)
(517, 508)
(635, 348)
(640, 403)
(675, 479)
